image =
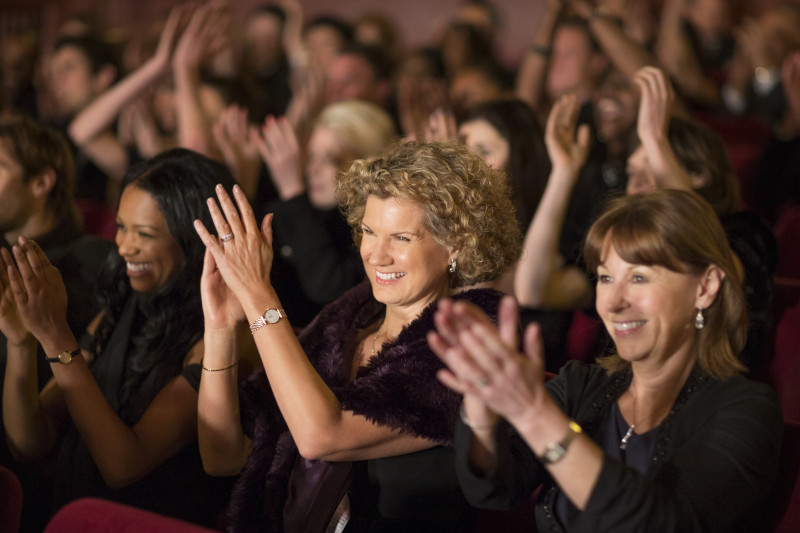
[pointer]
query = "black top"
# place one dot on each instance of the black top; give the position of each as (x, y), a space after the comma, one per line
(178, 487)
(712, 465)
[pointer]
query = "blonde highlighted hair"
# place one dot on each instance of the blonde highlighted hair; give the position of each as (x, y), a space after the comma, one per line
(364, 129)
(466, 203)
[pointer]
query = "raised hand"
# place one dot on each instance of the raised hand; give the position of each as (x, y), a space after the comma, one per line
(221, 308)
(441, 126)
(11, 323)
(483, 361)
(280, 150)
(655, 107)
(566, 151)
(243, 252)
(179, 17)
(38, 290)
(237, 141)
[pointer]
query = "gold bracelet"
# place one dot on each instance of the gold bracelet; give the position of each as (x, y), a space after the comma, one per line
(219, 369)
(471, 425)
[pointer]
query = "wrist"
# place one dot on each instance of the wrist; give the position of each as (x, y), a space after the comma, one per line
(287, 192)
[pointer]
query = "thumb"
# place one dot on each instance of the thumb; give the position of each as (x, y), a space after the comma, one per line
(266, 228)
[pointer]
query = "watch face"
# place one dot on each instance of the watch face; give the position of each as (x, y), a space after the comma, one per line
(65, 358)
(272, 315)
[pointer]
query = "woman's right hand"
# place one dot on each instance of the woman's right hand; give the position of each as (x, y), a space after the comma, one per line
(655, 107)
(11, 323)
(221, 308)
(566, 150)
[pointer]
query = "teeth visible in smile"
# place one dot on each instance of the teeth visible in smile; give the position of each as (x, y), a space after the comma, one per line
(625, 326)
(139, 267)
(390, 275)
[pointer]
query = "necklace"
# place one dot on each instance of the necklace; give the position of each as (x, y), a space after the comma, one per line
(623, 444)
(375, 338)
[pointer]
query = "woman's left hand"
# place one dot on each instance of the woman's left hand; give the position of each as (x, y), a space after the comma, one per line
(483, 360)
(243, 251)
(38, 290)
(655, 107)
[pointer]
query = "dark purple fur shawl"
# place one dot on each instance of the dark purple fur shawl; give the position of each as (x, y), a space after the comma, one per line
(398, 388)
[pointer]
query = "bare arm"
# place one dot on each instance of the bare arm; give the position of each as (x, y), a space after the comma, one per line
(655, 110)
(90, 129)
(626, 54)
(319, 426)
(122, 454)
(541, 280)
(533, 69)
(676, 56)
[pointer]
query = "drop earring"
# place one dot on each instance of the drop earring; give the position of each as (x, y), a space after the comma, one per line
(699, 319)
(452, 267)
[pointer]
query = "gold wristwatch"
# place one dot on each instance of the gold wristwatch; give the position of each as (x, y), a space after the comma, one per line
(64, 357)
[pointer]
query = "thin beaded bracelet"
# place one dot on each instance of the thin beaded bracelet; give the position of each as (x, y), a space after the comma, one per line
(219, 369)
(471, 425)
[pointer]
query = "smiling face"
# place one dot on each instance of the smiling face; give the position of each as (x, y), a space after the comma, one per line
(152, 256)
(404, 263)
(484, 140)
(648, 310)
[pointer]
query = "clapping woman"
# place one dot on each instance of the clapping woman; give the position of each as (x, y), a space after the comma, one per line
(347, 423)
(121, 410)
(665, 434)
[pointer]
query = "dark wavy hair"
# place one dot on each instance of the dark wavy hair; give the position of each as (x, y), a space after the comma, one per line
(528, 163)
(180, 181)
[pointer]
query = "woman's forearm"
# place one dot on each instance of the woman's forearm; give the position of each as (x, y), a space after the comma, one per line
(223, 445)
(29, 432)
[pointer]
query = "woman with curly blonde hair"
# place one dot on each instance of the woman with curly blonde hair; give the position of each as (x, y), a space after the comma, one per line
(347, 424)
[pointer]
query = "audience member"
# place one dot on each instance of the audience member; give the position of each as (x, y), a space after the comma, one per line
(665, 434)
(351, 415)
(124, 428)
(18, 53)
(359, 73)
(316, 261)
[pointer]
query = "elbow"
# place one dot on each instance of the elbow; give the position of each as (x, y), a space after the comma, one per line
(316, 447)
(118, 479)
(216, 468)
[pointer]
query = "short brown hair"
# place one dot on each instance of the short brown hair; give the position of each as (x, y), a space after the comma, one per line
(466, 203)
(678, 230)
(36, 148)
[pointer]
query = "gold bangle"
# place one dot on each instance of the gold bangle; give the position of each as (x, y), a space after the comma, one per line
(219, 369)
(471, 425)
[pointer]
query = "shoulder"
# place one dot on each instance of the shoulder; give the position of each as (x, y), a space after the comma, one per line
(581, 385)
(487, 299)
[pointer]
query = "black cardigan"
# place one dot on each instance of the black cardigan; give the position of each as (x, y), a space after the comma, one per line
(714, 461)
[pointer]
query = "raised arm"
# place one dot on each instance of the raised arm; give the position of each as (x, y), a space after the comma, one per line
(626, 54)
(90, 128)
(655, 111)
(203, 36)
(541, 279)
(320, 427)
(236, 139)
(676, 56)
(122, 454)
(533, 69)
(223, 445)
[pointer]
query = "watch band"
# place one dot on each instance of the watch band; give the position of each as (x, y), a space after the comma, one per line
(555, 451)
(270, 316)
(64, 357)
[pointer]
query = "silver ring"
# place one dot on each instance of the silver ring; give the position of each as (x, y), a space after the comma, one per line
(226, 238)
(482, 382)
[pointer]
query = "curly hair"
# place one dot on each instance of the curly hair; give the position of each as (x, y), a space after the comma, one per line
(678, 230)
(466, 203)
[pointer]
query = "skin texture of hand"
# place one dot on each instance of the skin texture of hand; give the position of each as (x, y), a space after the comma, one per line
(38, 290)
(176, 23)
(655, 108)
(11, 323)
(280, 150)
(483, 361)
(237, 141)
(205, 34)
(245, 261)
(564, 148)
(221, 308)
